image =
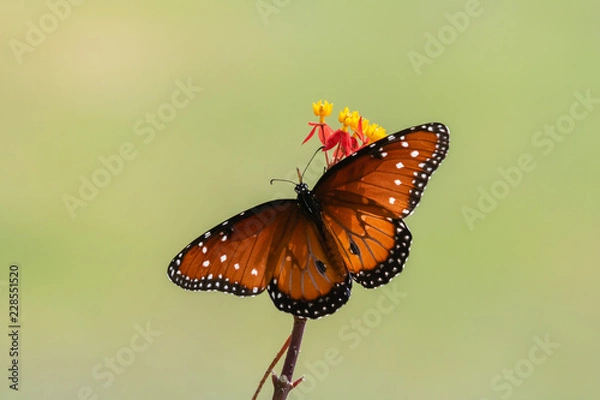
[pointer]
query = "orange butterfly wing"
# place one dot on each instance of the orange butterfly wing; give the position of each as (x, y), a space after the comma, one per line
(308, 280)
(374, 248)
(273, 246)
(365, 196)
(233, 256)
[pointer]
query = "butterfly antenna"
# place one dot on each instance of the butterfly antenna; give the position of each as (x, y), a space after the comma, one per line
(282, 180)
(309, 162)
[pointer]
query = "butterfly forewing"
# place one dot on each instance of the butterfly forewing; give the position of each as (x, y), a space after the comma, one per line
(232, 257)
(391, 172)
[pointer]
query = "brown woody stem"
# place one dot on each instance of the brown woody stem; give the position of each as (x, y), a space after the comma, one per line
(284, 383)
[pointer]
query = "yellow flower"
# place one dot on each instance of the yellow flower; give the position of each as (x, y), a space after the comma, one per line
(343, 115)
(349, 119)
(322, 110)
(353, 120)
(364, 123)
(374, 132)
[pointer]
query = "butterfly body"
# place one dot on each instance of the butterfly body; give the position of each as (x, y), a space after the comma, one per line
(307, 251)
(308, 202)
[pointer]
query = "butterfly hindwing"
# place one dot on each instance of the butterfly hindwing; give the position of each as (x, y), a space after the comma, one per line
(308, 281)
(374, 247)
(393, 264)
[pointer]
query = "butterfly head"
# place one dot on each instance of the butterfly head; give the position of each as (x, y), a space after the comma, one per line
(302, 189)
(307, 201)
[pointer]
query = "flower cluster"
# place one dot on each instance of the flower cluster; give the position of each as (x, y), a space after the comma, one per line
(355, 133)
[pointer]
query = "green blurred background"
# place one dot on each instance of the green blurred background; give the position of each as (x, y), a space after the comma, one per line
(480, 291)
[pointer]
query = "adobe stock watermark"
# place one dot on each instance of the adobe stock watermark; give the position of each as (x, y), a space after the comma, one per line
(38, 29)
(351, 335)
(544, 141)
(505, 383)
(144, 130)
(267, 8)
(437, 43)
(106, 372)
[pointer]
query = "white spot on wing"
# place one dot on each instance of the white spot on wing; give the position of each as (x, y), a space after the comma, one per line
(254, 271)
(223, 258)
(399, 165)
(206, 263)
(398, 182)
(392, 200)
(414, 153)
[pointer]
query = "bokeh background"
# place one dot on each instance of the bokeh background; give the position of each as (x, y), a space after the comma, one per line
(485, 285)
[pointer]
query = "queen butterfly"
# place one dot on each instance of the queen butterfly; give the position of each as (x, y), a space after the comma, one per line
(306, 251)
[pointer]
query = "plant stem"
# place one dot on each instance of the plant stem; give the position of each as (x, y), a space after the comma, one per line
(284, 383)
(269, 370)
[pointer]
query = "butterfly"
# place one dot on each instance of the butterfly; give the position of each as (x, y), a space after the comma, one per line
(306, 252)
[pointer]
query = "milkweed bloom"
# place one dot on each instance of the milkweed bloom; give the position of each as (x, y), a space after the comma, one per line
(354, 134)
